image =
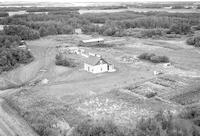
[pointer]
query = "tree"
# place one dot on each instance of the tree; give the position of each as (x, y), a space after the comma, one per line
(195, 41)
(43, 31)
(22, 31)
(180, 28)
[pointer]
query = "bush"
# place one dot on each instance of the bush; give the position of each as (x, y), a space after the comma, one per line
(180, 28)
(146, 56)
(151, 94)
(61, 60)
(195, 41)
(192, 113)
(97, 128)
(159, 59)
(165, 124)
(152, 32)
(8, 41)
(162, 124)
(4, 14)
(153, 58)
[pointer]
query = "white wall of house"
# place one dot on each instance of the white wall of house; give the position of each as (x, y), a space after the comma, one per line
(111, 68)
(96, 69)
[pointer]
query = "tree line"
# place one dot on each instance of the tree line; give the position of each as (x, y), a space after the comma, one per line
(125, 21)
(64, 21)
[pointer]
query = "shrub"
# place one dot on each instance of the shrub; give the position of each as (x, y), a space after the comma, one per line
(97, 128)
(165, 124)
(61, 60)
(159, 59)
(151, 94)
(152, 32)
(4, 14)
(195, 41)
(154, 58)
(192, 113)
(146, 56)
(162, 124)
(8, 41)
(180, 28)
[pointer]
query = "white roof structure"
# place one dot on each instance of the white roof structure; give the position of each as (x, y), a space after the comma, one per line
(1, 27)
(93, 40)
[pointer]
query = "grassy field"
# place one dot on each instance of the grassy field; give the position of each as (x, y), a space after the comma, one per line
(73, 95)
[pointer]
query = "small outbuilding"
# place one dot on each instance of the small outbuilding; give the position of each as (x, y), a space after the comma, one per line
(98, 65)
(78, 31)
(91, 42)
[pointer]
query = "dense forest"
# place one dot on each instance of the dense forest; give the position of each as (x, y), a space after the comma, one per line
(141, 24)
(129, 23)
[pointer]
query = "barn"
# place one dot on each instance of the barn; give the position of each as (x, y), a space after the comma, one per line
(91, 42)
(98, 65)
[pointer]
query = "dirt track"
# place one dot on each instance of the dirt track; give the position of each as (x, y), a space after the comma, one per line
(11, 124)
(44, 57)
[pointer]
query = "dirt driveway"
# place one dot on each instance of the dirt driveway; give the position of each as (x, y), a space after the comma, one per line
(11, 124)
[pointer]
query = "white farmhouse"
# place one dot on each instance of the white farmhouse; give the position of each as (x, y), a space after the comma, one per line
(98, 65)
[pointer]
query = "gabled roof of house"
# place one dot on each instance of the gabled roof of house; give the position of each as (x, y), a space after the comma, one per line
(92, 60)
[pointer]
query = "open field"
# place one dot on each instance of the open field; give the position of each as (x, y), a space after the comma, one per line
(73, 95)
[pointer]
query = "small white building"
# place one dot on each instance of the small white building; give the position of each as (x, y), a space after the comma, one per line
(1, 27)
(78, 31)
(98, 65)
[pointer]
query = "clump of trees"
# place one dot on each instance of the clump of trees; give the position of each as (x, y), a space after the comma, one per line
(192, 113)
(195, 41)
(163, 123)
(154, 58)
(10, 58)
(10, 55)
(150, 33)
(33, 26)
(152, 23)
(180, 28)
(24, 32)
(4, 14)
(7, 41)
(64, 61)
(97, 128)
